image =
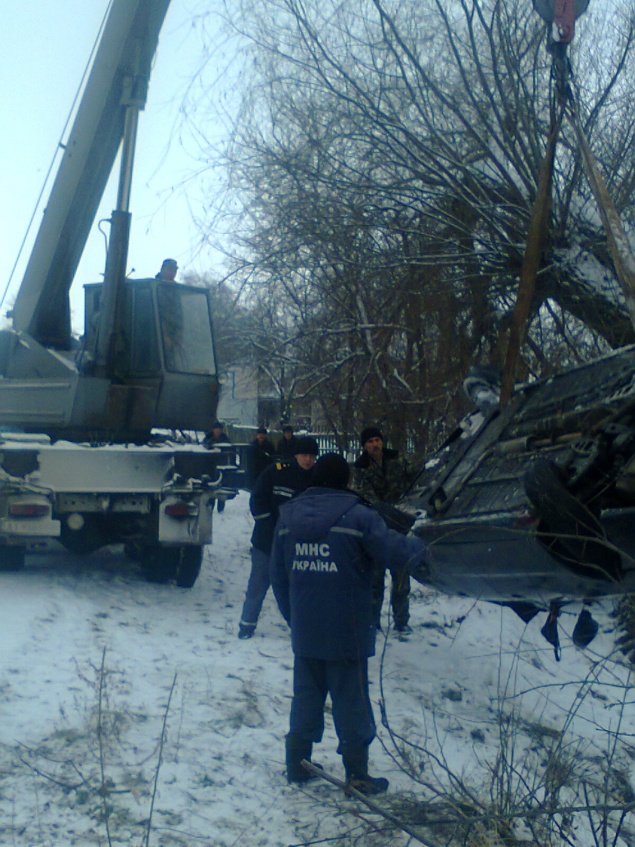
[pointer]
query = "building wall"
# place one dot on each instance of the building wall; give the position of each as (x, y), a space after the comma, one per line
(239, 396)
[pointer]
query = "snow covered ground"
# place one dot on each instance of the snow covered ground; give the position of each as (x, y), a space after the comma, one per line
(130, 713)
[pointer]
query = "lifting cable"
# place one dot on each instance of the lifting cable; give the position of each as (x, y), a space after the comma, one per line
(536, 235)
(618, 243)
(562, 16)
(538, 224)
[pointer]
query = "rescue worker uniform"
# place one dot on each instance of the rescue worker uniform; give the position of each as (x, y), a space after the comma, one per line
(276, 485)
(326, 547)
(213, 438)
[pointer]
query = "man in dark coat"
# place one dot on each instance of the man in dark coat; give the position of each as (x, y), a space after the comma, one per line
(215, 437)
(380, 476)
(275, 486)
(287, 444)
(169, 267)
(326, 546)
(260, 454)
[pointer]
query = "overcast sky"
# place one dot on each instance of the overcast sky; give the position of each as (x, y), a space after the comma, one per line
(46, 44)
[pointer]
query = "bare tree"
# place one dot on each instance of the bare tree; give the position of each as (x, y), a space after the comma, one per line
(383, 164)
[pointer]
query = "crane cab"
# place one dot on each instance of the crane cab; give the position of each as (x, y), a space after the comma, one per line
(164, 344)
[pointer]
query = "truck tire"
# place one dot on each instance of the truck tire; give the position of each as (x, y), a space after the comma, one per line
(134, 551)
(189, 566)
(90, 537)
(11, 558)
(160, 563)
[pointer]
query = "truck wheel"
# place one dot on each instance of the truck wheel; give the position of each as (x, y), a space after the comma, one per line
(11, 558)
(133, 551)
(189, 566)
(88, 538)
(161, 563)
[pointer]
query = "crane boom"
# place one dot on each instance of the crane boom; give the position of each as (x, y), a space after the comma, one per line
(118, 80)
(84, 453)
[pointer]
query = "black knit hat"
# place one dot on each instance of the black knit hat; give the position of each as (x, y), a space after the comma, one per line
(331, 471)
(306, 444)
(370, 432)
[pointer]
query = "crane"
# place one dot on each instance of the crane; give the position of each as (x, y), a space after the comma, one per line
(78, 459)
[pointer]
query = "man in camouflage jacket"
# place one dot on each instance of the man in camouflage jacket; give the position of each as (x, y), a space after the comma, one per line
(381, 477)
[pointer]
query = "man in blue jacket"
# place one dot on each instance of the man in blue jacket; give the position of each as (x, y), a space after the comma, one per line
(326, 547)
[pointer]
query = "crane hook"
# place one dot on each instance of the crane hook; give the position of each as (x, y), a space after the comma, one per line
(562, 15)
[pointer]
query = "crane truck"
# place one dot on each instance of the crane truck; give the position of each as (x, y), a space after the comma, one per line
(85, 452)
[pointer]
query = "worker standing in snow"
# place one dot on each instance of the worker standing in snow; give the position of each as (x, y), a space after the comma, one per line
(275, 486)
(326, 547)
(381, 477)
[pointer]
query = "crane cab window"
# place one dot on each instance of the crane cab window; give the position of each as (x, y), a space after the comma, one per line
(144, 352)
(186, 331)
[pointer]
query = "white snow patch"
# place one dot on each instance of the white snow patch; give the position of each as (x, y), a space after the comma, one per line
(221, 781)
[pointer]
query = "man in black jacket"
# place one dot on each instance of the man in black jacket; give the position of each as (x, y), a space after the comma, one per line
(215, 437)
(288, 443)
(276, 485)
(260, 454)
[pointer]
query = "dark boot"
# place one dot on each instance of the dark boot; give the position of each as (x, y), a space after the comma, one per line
(356, 767)
(297, 749)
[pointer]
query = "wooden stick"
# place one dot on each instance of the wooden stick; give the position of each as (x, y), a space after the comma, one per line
(374, 807)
